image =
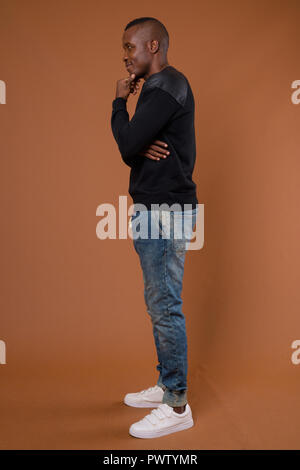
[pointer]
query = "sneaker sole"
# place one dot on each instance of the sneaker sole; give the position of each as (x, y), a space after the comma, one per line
(142, 404)
(163, 432)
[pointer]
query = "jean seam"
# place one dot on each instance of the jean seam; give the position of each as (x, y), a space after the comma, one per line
(168, 310)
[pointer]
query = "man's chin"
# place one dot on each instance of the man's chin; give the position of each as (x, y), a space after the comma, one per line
(132, 69)
(138, 76)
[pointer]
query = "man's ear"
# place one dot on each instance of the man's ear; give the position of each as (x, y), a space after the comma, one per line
(154, 46)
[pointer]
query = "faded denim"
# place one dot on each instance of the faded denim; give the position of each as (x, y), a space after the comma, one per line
(162, 259)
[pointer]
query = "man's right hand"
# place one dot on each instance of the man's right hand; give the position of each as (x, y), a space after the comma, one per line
(155, 152)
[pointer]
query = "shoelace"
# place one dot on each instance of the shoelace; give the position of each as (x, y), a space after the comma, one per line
(161, 412)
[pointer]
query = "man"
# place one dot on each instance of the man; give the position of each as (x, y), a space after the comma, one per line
(158, 144)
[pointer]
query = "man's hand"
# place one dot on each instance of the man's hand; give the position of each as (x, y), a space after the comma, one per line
(155, 152)
(134, 86)
(125, 86)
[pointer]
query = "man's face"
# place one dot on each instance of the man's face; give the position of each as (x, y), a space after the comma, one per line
(136, 54)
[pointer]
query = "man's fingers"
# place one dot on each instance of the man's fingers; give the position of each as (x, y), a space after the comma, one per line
(155, 150)
(131, 78)
(160, 150)
(134, 86)
(159, 142)
(145, 153)
(156, 154)
(148, 155)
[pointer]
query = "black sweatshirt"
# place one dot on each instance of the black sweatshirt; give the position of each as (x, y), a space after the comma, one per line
(164, 111)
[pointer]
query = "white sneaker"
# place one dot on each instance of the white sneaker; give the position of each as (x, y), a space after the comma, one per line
(149, 398)
(161, 421)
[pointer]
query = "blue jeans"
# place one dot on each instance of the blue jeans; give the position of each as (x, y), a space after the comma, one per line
(162, 251)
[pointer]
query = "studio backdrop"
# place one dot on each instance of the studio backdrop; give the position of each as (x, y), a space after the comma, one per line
(75, 334)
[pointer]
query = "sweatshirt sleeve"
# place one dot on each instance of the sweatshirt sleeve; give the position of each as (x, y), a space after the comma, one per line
(155, 109)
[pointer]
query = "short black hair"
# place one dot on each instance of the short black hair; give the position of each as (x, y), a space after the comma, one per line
(159, 28)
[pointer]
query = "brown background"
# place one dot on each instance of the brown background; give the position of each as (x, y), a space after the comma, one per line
(73, 316)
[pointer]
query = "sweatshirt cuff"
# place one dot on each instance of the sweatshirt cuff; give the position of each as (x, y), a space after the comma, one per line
(119, 103)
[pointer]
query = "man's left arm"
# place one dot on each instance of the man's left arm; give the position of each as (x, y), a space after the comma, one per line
(153, 113)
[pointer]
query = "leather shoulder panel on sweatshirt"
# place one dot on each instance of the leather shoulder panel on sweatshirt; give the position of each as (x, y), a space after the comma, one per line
(170, 80)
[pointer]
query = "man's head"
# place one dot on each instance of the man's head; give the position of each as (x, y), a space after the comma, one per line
(145, 42)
